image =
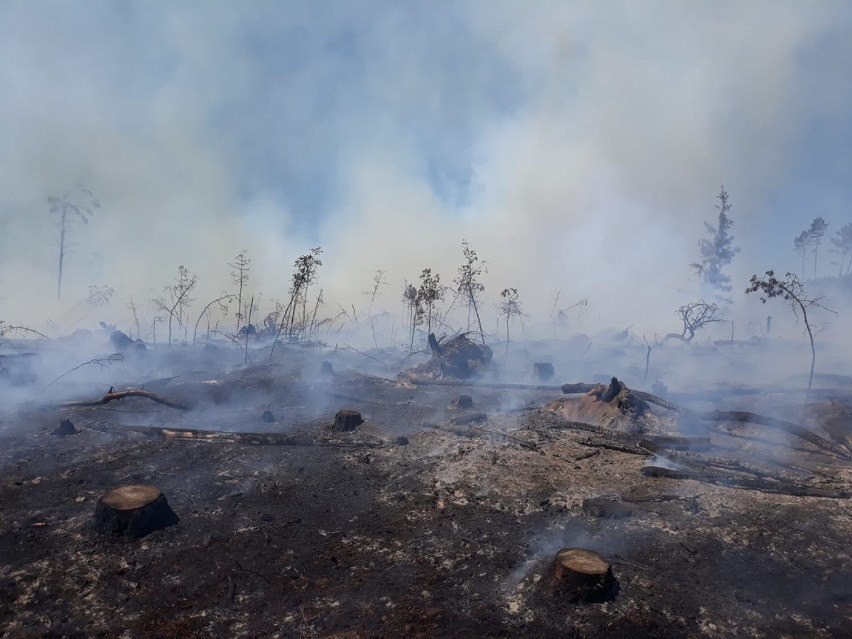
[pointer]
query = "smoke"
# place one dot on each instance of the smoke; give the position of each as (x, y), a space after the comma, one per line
(577, 146)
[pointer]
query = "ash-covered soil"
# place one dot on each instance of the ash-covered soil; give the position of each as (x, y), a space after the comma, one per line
(416, 524)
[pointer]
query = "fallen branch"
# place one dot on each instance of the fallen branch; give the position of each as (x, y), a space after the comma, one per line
(130, 392)
(453, 382)
(617, 446)
(226, 437)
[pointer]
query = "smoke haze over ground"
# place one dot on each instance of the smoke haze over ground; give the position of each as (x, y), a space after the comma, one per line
(577, 146)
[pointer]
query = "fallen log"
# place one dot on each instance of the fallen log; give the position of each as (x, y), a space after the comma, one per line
(622, 448)
(497, 385)
(472, 418)
(763, 420)
(130, 392)
(754, 483)
(675, 442)
(259, 439)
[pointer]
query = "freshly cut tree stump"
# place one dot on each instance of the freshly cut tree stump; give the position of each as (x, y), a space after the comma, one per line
(583, 575)
(347, 420)
(134, 511)
(543, 371)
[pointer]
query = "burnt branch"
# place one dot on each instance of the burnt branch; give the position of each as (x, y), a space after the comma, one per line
(115, 395)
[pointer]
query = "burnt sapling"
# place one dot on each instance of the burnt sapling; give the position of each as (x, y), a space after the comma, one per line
(176, 300)
(240, 276)
(469, 288)
(510, 307)
(694, 316)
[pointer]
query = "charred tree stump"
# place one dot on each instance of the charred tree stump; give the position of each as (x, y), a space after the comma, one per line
(583, 575)
(462, 401)
(347, 420)
(65, 428)
(134, 511)
(543, 371)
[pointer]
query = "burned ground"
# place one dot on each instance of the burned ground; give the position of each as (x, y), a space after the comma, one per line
(419, 523)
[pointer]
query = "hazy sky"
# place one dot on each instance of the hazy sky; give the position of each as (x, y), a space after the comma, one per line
(576, 145)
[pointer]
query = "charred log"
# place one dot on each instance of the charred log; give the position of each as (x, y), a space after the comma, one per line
(798, 431)
(462, 401)
(753, 483)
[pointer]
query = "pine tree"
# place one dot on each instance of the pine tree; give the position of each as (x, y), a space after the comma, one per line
(842, 242)
(718, 250)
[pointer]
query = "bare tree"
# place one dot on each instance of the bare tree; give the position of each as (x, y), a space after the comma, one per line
(69, 208)
(469, 286)
(240, 276)
(791, 290)
(510, 307)
(694, 316)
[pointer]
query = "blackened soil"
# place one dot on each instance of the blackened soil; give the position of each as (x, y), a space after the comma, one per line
(446, 536)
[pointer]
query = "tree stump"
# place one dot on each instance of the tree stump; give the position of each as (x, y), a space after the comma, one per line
(134, 511)
(583, 575)
(601, 507)
(326, 368)
(66, 427)
(543, 371)
(347, 420)
(462, 401)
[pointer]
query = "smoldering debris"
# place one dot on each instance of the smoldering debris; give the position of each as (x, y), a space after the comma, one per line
(433, 507)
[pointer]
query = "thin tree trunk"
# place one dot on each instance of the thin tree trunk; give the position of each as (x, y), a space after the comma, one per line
(478, 320)
(61, 252)
(507, 332)
(813, 348)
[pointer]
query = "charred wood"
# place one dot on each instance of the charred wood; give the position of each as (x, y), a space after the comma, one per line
(763, 420)
(754, 483)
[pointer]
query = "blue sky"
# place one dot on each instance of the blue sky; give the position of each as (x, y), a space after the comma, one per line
(583, 134)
